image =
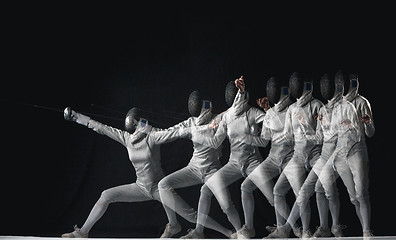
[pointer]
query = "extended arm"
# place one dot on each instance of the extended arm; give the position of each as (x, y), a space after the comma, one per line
(113, 133)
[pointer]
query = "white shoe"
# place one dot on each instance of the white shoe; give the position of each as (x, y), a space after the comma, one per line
(337, 230)
(170, 230)
(321, 232)
(306, 234)
(279, 232)
(193, 234)
(246, 233)
(234, 235)
(367, 235)
(75, 234)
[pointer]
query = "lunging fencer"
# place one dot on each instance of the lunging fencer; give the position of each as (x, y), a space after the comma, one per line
(280, 153)
(203, 164)
(240, 118)
(142, 142)
(300, 121)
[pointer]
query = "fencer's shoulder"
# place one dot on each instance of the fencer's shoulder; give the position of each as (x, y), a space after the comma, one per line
(362, 99)
(344, 103)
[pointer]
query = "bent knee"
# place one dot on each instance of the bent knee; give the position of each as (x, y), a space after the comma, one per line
(248, 186)
(164, 183)
(106, 197)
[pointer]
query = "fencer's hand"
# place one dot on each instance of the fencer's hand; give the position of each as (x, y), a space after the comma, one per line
(319, 117)
(69, 114)
(214, 123)
(299, 117)
(346, 122)
(263, 103)
(366, 119)
(240, 84)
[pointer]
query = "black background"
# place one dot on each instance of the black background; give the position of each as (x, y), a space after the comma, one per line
(98, 57)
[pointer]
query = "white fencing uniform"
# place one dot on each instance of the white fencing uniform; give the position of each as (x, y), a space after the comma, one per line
(279, 155)
(144, 153)
(203, 164)
(240, 118)
(299, 123)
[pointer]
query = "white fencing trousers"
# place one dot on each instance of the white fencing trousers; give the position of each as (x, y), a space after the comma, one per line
(262, 177)
(335, 167)
(311, 184)
(124, 193)
(227, 175)
(172, 202)
(293, 176)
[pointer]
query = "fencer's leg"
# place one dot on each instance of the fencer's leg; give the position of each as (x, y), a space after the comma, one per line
(172, 201)
(347, 178)
(305, 193)
(262, 177)
(218, 184)
(358, 163)
(295, 172)
(282, 210)
(247, 188)
(323, 209)
(169, 197)
(321, 201)
(123, 193)
(204, 204)
(203, 218)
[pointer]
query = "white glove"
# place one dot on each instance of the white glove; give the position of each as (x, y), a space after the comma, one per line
(71, 115)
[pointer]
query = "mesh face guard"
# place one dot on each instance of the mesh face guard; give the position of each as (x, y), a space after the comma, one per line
(230, 93)
(273, 90)
(195, 103)
(132, 119)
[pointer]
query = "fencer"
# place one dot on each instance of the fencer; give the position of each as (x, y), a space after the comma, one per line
(142, 142)
(358, 161)
(332, 91)
(350, 159)
(299, 122)
(203, 164)
(280, 153)
(240, 118)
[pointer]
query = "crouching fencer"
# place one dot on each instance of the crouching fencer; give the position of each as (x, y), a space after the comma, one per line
(279, 155)
(299, 122)
(142, 142)
(203, 164)
(240, 118)
(352, 120)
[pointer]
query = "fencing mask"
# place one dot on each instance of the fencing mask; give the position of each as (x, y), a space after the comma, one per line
(327, 87)
(230, 92)
(273, 90)
(296, 85)
(195, 103)
(132, 119)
